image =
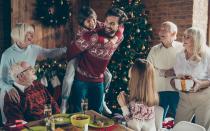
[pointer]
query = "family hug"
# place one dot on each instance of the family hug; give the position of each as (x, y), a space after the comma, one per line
(152, 81)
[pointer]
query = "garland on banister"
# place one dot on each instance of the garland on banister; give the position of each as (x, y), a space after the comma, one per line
(50, 68)
(53, 12)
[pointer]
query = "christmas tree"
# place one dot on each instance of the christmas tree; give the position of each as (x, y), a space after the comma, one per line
(136, 44)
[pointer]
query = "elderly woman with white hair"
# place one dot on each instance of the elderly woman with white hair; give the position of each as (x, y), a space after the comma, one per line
(194, 62)
(22, 49)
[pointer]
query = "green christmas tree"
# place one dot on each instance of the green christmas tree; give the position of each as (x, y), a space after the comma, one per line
(136, 44)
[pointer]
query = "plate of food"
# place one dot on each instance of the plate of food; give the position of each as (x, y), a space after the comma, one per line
(35, 128)
(80, 120)
(62, 119)
(101, 122)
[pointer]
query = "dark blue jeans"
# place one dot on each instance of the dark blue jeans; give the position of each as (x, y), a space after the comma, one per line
(92, 91)
(169, 101)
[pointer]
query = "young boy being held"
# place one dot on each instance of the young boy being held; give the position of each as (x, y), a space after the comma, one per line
(87, 20)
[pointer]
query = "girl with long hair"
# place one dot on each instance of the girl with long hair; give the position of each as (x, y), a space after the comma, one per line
(138, 107)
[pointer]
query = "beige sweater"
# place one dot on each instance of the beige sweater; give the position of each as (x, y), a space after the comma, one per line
(164, 58)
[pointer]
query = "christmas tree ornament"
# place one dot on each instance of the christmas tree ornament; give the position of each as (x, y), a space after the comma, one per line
(125, 79)
(143, 47)
(145, 22)
(131, 15)
(51, 10)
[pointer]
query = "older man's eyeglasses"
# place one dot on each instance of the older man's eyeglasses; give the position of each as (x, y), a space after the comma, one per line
(29, 68)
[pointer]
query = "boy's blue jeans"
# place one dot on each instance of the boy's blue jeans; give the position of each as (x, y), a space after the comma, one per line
(169, 101)
(91, 90)
(70, 74)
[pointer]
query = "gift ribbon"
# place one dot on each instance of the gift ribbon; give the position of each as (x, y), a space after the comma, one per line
(183, 85)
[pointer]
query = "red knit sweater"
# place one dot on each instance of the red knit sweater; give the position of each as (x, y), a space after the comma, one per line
(94, 55)
(31, 106)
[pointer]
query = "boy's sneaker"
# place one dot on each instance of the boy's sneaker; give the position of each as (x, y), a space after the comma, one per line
(106, 109)
(63, 106)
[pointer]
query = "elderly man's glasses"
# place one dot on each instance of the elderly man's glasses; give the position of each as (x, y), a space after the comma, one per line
(29, 68)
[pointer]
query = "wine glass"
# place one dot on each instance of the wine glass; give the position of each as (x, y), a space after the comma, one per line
(47, 114)
(84, 105)
(47, 110)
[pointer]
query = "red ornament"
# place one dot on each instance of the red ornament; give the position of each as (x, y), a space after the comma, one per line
(129, 1)
(168, 124)
(51, 10)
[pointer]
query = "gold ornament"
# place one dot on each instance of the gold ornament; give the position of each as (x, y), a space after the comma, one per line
(146, 22)
(143, 47)
(125, 79)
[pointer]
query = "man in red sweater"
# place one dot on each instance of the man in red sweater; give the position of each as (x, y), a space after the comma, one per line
(33, 96)
(95, 56)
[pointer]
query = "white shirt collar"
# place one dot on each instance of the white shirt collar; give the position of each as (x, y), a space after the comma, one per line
(172, 45)
(21, 87)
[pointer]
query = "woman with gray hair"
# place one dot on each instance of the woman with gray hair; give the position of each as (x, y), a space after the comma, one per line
(22, 49)
(194, 63)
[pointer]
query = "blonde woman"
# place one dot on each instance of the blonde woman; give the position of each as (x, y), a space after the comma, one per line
(138, 108)
(22, 49)
(194, 62)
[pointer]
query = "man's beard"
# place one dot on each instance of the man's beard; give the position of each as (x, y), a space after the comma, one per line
(91, 28)
(109, 32)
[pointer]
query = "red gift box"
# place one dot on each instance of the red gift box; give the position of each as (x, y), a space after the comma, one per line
(168, 124)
